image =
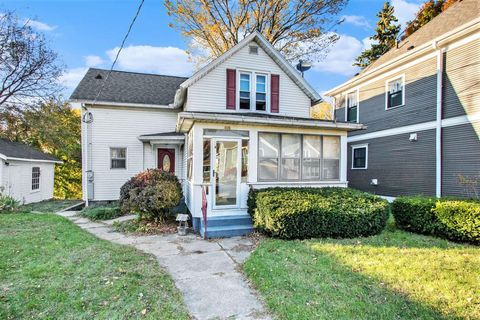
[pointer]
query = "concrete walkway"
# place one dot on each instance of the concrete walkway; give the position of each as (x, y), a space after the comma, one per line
(206, 272)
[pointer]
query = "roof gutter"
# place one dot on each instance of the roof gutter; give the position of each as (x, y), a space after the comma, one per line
(29, 160)
(122, 104)
(425, 48)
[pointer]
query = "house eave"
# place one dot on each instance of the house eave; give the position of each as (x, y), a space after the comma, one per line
(123, 104)
(187, 119)
(5, 158)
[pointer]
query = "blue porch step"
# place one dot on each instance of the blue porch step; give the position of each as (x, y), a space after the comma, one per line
(227, 226)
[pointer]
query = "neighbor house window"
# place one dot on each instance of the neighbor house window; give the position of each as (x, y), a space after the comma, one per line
(261, 93)
(118, 158)
(352, 107)
(35, 178)
(245, 91)
(359, 157)
(395, 93)
(287, 157)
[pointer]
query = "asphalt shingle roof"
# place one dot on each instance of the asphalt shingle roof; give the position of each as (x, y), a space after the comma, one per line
(458, 14)
(19, 150)
(127, 87)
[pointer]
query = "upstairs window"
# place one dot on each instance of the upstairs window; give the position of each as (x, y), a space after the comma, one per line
(395, 94)
(261, 93)
(359, 157)
(118, 158)
(35, 178)
(245, 91)
(352, 107)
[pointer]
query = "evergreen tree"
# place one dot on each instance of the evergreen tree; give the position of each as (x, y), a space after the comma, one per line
(385, 36)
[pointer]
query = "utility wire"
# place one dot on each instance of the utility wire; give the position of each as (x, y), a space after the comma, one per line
(118, 52)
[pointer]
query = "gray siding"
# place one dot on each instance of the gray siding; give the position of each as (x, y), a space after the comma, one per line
(461, 92)
(401, 167)
(461, 156)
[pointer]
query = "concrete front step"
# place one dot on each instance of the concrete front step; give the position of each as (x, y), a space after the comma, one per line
(227, 226)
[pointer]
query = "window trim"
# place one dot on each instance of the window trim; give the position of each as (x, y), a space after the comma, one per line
(110, 157)
(279, 158)
(253, 90)
(357, 91)
(359, 146)
(402, 77)
(39, 179)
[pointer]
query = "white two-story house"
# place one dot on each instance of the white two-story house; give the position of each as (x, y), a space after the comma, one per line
(240, 122)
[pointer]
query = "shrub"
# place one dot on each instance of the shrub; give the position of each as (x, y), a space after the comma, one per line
(317, 212)
(101, 212)
(151, 193)
(8, 204)
(447, 218)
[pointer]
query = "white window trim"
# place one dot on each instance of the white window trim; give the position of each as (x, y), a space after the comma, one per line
(357, 91)
(402, 76)
(253, 90)
(359, 146)
(110, 157)
(39, 180)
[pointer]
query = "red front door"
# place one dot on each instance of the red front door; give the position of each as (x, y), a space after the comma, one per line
(166, 160)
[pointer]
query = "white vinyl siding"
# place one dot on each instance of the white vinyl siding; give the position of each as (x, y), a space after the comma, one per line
(292, 100)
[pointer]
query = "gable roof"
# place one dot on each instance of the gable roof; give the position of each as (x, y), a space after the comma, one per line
(127, 88)
(15, 150)
(460, 14)
(271, 51)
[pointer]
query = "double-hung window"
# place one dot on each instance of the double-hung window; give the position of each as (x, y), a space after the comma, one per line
(395, 94)
(118, 158)
(352, 107)
(296, 157)
(359, 157)
(245, 82)
(261, 92)
(35, 178)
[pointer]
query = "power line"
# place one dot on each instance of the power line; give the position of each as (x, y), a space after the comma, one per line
(118, 52)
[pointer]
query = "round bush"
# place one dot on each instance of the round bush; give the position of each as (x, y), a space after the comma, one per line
(415, 214)
(151, 193)
(299, 213)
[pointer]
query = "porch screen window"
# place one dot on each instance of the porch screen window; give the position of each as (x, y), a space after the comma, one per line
(190, 155)
(261, 93)
(35, 178)
(245, 91)
(206, 160)
(352, 107)
(244, 160)
(118, 158)
(359, 155)
(268, 156)
(395, 93)
(290, 157)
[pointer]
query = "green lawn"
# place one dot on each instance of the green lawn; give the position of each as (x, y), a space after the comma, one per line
(395, 275)
(51, 269)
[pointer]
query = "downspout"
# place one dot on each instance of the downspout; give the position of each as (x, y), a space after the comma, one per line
(438, 140)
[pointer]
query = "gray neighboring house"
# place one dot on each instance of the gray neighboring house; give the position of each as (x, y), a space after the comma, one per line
(421, 105)
(26, 173)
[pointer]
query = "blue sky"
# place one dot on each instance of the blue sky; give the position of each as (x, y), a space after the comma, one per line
(85, 33)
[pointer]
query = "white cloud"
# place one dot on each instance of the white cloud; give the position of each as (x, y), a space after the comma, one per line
(341, 56)
(93, 61)
(359, 21)
(405, 11)
(41, 26)
(72, 77)
(163, 60)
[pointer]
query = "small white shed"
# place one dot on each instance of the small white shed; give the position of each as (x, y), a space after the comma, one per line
(26, 173)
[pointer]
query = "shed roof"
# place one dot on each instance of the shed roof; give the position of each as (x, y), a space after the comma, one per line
(17, 150)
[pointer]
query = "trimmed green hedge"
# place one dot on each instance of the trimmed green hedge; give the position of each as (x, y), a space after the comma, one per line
(299, 213)
(447, 218)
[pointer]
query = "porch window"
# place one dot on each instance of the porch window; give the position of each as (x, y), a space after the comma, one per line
(261, 92)
(289, 157)
(190, 156)
(352, 107)
(244, 160)
(268, 156)
(395, 93)
(206, 160)
(35, 178)
(245, 91)
(118, 158)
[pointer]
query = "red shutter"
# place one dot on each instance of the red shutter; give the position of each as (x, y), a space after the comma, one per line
(274, 93)
(231, 88)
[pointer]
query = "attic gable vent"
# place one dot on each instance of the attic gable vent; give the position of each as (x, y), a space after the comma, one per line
(98, 76)
(253, 50)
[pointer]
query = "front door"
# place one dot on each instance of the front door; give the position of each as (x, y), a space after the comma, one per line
(226, 174)
(166, 160)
